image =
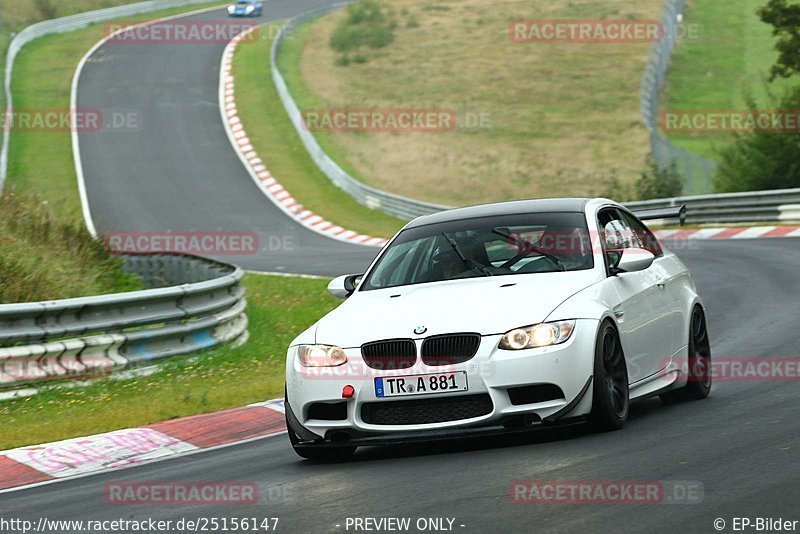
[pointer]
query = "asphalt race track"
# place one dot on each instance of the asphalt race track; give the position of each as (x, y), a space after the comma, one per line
(741, 444)
(176, 170)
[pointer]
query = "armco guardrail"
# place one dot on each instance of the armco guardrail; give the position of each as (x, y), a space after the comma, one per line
(696, 170)
(756, 206)
(195, 304)
(66, 24)
(399, 206)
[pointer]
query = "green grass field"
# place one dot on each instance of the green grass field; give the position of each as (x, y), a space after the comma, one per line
(278, 309)
(272, 134)
(727, 62)
(560, 118)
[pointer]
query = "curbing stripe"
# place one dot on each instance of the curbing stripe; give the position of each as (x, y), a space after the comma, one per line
(247, 154)
(738, 232)
(17, 474)
(728, 233)
(751, 233)
(73, 458)
(781, 231)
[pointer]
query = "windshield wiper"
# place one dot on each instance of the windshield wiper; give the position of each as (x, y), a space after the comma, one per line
(529, 247)
(472, 265)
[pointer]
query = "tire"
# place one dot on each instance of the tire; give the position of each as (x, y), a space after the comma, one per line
(322, 454)
(610, 393)
(698, 384)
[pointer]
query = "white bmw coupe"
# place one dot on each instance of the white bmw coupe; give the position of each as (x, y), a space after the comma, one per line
(499, 318)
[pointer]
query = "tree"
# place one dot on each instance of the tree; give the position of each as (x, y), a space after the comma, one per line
(658, 182)
(785, 19)
(762, 159)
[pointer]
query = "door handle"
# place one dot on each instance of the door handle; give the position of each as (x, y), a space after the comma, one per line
(662, 283)
(619, 313)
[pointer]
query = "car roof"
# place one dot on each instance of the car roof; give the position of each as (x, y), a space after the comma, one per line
(515, 207)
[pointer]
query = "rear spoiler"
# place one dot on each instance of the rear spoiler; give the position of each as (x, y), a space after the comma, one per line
(672, 212)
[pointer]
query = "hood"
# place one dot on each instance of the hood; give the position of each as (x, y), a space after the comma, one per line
(491, 305)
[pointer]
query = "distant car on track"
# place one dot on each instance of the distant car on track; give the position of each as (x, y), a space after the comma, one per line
(246, 8)
(499, 318)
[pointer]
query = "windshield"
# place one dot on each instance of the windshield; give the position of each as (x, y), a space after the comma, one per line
(486, 246)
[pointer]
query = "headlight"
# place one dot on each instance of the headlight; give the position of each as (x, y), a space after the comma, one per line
(538, 335)
(250, 9)
(320, 356)
(231, 9)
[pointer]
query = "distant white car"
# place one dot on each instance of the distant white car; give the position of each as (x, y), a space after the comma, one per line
(246, 8)
(499, 318)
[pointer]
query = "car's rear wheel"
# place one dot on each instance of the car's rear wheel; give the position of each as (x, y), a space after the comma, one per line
(611, 398)
(698, 384)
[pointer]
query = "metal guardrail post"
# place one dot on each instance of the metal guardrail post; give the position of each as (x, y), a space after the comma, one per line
(198, 304)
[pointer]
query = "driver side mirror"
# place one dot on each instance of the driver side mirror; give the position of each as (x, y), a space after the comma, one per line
(632, 260)
(342, 287)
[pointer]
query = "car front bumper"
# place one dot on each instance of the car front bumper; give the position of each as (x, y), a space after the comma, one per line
(490, 372)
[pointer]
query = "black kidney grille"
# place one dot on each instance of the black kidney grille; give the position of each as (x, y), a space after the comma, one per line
(450, 349)
(426, 411)
(390, 354)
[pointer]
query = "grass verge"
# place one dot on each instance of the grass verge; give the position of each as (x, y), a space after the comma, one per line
(536, 119)
(275, 139)
(721, 62)
(279, 308)
(43, 71)
(44, 258)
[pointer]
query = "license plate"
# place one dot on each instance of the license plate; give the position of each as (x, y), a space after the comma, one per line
(400, 386)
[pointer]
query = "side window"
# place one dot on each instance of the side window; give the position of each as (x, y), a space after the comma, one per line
(615, 236)
(647, 240)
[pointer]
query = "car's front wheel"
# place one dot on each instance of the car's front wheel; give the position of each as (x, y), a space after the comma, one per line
(611, 398)
(698, 383)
